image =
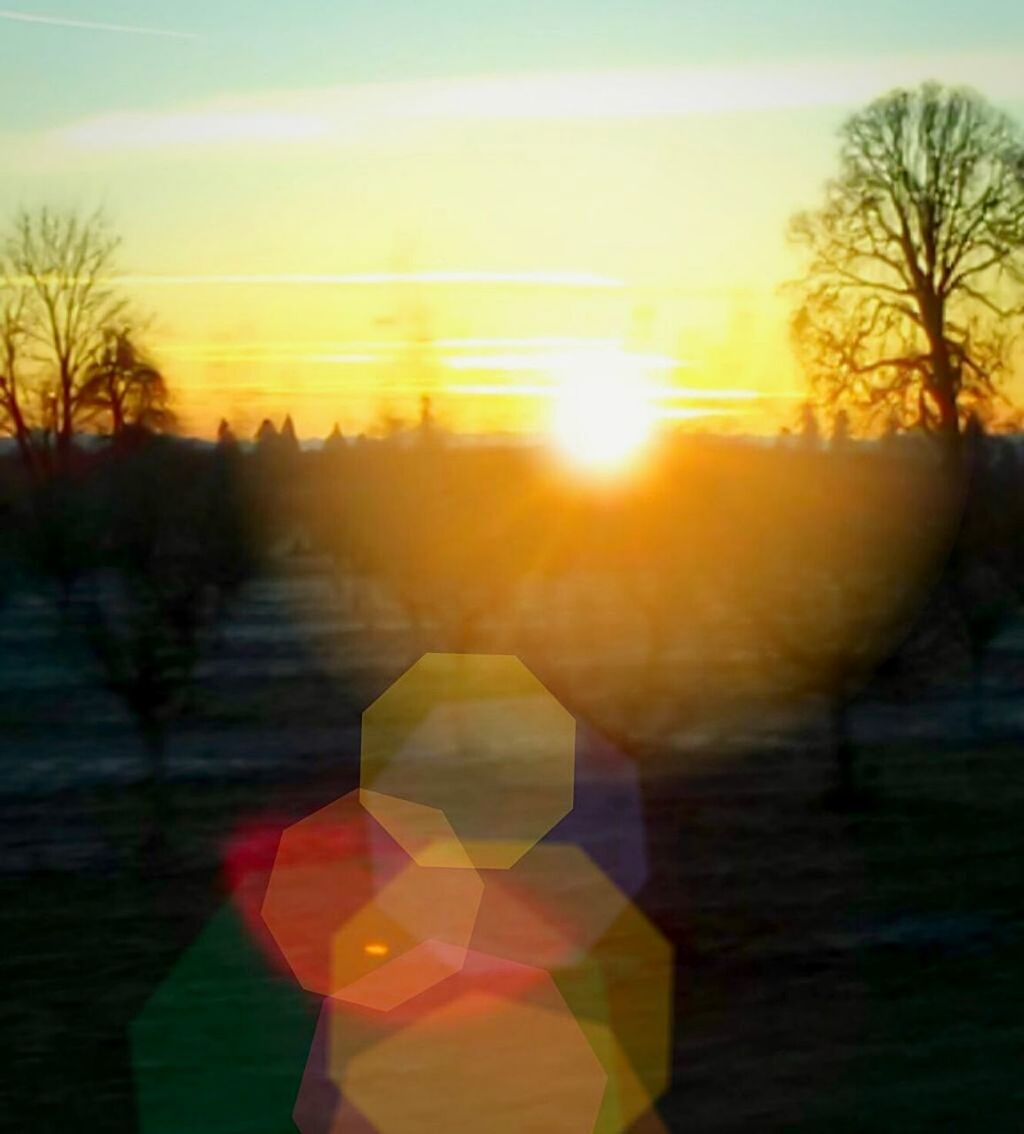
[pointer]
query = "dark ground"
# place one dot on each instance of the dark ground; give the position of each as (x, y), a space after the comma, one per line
(835, 972)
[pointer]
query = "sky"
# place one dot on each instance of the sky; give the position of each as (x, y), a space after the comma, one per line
(330, 208)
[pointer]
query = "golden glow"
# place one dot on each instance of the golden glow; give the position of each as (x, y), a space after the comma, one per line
(413, 208)
(604, 411)
(482, 1061)
(569, 279)
(558, 360)
(376, 949)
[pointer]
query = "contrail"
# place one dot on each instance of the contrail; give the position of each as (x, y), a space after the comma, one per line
(90, 25)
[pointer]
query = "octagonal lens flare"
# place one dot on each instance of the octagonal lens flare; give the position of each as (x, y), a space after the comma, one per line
(477, 738)
(356, 918)
(494, 1049)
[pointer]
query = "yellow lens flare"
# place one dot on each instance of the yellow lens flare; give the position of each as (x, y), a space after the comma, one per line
(604, 412)
(376, 949)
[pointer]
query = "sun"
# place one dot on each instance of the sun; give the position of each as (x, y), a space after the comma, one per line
(603, 411)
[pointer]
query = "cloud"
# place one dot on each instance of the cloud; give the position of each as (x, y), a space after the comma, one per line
(556, 279)
(91, 25)
(210, 127)
(353, 113)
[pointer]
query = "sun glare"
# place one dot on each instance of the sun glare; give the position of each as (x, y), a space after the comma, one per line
(603, 412)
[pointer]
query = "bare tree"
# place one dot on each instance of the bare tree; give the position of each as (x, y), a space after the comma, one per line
(15, 414)
(168, 550)
(832, 578)
(58, 308)
(916, 261)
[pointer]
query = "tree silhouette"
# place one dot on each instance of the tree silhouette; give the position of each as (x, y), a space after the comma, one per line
(335, 441)
(57, 307)
(266, 435)
(810, 431)
(981, 579)
(916, 261)
(840, 430)
(125, 389)
(288, 441)
(833, 578)
(171, 549)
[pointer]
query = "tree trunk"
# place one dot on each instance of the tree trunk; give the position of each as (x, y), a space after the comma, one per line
(842, 748)
(978, 723)
(943, 384)
(64, 426)
(117, 421)
(23, 437)
(156, 822)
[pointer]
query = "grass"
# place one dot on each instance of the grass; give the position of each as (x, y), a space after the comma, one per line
(798, 1007)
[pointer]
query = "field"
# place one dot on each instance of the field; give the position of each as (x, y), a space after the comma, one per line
(835, 971)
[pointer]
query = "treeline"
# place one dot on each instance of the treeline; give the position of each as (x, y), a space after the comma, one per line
(727, 575)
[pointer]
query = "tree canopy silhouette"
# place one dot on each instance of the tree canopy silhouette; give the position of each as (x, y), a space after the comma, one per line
(66, 363)
(916, 261)
(122, 388)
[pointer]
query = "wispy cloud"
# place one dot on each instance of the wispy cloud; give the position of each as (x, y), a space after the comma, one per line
(662, 396)
(373, 279)
(357, 112)
(276, 348)
(93, 25)
(208, 127)
(546, 361)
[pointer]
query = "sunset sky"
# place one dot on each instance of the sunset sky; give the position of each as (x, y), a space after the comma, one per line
(305, 190)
